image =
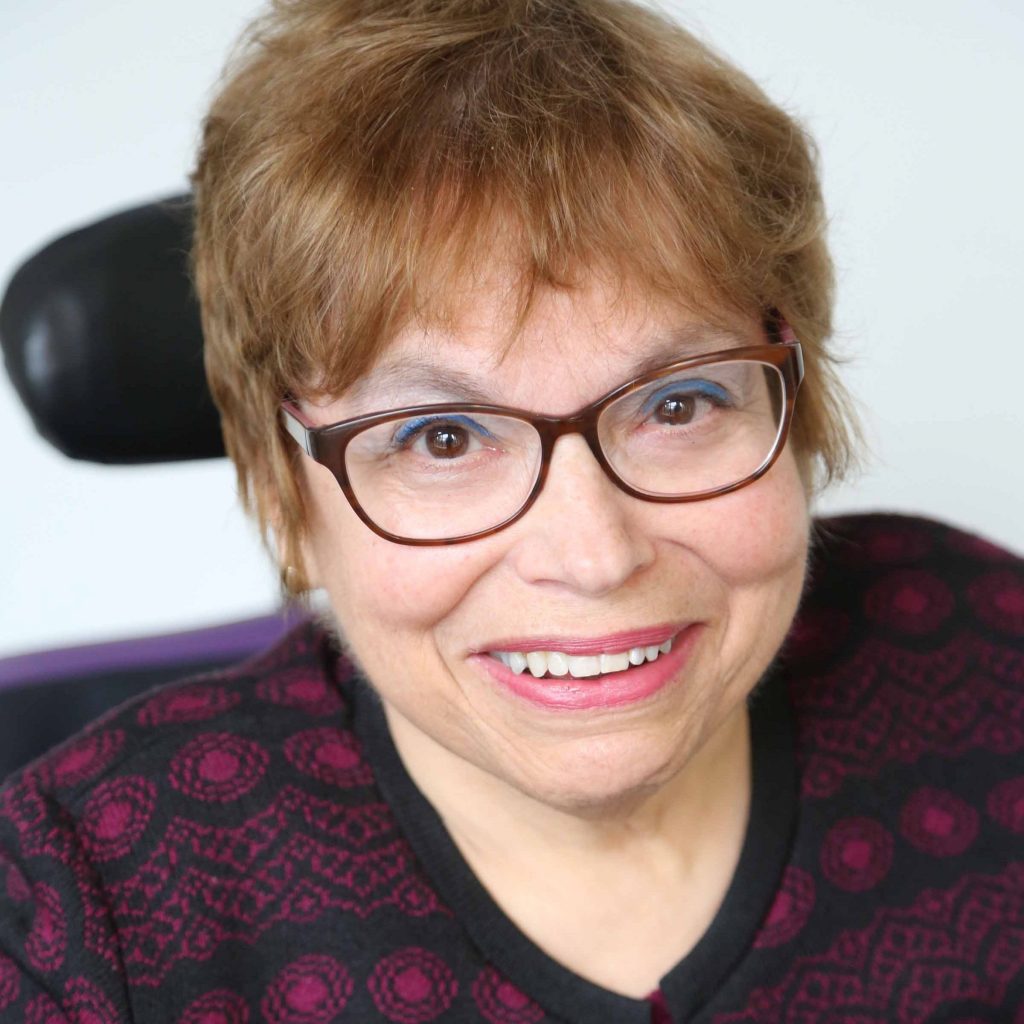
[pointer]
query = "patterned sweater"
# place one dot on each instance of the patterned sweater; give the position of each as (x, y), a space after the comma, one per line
(247, 846)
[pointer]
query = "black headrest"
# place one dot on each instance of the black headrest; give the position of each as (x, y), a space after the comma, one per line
(101, 337)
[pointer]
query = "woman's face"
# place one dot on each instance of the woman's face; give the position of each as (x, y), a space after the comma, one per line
(587, 568)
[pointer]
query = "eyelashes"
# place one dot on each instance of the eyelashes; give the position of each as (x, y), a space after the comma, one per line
(706, 389)
(409, 430)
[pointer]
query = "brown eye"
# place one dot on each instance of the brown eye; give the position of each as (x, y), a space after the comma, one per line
(676, 410)
(446, 442)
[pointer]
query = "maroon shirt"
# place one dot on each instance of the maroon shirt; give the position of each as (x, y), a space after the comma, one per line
(247, 846)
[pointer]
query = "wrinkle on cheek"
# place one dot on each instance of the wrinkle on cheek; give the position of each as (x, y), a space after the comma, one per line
(398, 605)
(407, 585)
(757, 549)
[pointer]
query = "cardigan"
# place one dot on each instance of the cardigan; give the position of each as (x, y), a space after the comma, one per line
(247, 846)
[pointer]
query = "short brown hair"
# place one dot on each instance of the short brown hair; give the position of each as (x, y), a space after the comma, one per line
(357, 151)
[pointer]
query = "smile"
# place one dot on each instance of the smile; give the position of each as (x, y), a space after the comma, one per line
(590, 674)
(558, 663)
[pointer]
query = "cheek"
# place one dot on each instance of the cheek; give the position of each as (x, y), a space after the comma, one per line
(378, 588)
(403, 588)
(758, 536)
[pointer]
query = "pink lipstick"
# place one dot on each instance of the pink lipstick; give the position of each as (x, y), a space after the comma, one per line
(609, 690)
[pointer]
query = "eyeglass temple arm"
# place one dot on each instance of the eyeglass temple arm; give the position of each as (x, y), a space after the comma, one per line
(779, 326)
(293, 419)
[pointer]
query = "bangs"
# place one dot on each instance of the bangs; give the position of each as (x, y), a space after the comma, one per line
(490, 240)
(501, 144)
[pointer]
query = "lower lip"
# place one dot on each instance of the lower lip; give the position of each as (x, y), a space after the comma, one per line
(613, 690)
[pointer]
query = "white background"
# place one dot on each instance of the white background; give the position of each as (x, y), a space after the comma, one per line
(917, 106)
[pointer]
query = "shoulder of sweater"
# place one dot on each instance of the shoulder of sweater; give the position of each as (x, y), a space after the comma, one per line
(293, 695)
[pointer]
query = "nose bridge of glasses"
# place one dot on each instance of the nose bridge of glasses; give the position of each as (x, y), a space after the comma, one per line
(583, 424)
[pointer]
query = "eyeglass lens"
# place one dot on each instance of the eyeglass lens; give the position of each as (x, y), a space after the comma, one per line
(446, 475)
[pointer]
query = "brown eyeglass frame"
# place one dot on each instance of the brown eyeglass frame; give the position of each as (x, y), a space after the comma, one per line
(326, 445)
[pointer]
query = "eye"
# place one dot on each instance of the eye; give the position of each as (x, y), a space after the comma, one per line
(440, 437)
(446, 442)
(676, 409)
(683, 401)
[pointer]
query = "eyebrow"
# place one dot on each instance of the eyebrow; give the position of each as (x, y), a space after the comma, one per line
(423, 375)
(683, 342)
(426, 376)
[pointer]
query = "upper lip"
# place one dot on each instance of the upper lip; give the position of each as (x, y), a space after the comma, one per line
(582, 646)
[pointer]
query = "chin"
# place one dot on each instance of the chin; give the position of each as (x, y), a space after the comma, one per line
(603, 775)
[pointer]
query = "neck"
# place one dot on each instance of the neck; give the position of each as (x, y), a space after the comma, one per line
(617, 892)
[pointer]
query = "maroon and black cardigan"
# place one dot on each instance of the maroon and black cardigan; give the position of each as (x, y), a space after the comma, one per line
(246, 846)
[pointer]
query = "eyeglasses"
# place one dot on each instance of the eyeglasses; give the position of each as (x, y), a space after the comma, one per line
(453, 472)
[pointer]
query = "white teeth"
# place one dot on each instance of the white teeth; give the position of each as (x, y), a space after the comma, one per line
(581, 668)
(556, 663)
(614, 662)
(537, 663)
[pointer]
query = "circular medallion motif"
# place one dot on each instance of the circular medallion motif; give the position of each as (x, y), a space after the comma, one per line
(911, 601)
(329, 754)
(412, 986)
(43, 1010)
(47, 941)
(998, 600)
(10, 983)
(85, 1003)
(501, 1002)
(789, 911)
(192, 703)
(312, 990)
(938, 822)
(856, 854)
(221, 1006)
(217, 767)
(22, 803)
(302, 690)
(116, 815)
(86, 757)
(1006, 804)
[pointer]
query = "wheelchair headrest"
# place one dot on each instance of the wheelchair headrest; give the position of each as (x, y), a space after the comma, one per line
(101, 336)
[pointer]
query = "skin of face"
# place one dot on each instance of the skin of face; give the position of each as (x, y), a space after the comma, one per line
(587, 560)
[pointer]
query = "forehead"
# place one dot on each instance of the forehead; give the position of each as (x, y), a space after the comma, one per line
(572, 347)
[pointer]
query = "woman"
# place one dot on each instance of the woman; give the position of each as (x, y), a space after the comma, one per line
(502, 306)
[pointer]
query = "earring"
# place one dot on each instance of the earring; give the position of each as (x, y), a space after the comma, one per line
(290, 579)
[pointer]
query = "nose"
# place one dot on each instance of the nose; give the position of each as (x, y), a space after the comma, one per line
(582, 532)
